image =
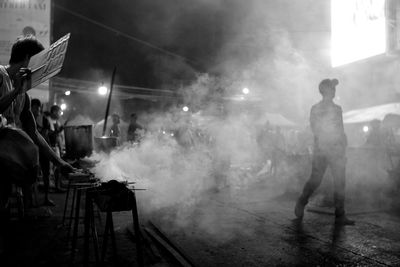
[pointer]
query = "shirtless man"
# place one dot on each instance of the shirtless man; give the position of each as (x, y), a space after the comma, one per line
(15, 106)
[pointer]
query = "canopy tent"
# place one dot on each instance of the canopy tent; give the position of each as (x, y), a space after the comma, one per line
(276, 119)
(371, 113)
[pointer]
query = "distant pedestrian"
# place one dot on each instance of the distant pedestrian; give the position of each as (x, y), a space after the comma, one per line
(133, 129)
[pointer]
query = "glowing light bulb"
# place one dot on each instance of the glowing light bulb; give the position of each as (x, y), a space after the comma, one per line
(102, 90)
(63, 106)
(185, 109)
(67, 92)
(365, 129)
(246, 91)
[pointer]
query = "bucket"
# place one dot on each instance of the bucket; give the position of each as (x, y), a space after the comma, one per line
(105, 143)
(78, 141)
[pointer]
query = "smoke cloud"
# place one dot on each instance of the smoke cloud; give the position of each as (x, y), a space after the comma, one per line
(184, 157)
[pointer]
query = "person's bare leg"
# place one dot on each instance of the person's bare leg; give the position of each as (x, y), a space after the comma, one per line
(45, 166)
(57, 181)
(46, 183)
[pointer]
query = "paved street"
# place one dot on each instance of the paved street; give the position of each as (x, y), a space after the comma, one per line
(241, 228)
(252, 230)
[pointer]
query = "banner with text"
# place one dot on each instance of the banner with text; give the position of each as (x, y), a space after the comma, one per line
(24, 17)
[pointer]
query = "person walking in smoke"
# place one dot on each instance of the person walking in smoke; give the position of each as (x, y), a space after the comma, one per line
(330, 144)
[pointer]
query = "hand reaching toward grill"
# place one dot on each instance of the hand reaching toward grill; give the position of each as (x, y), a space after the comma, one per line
(66, 168)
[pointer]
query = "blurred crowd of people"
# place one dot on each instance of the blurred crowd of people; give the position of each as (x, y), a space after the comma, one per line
(132, 133)
(276, 144)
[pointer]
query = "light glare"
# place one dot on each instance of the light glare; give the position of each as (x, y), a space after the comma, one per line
(358, 30)
(102, 90)
(63, 106)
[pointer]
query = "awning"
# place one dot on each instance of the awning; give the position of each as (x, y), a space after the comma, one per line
(276, 119)
(371, 113)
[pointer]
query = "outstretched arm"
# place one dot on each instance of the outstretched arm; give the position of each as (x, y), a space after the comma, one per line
(29, 126)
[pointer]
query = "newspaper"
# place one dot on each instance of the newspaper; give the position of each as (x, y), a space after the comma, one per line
(49, 62)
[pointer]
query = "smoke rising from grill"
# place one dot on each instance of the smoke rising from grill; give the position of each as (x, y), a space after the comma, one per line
(183, 157)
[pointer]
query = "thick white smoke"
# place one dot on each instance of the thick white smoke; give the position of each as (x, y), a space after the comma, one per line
(184, 156)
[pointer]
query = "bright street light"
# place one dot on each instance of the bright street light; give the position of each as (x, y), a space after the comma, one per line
(102, 90)
(67, 92)
(246, 91)
(185, 109)
(63, 106)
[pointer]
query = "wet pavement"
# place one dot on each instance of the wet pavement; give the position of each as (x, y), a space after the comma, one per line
(244, 228)
(251, 229)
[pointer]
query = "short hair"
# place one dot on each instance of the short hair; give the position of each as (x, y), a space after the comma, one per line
(28, 30)
(134, 115)
(55, 108)
(327, 82)
(36, 102)
(25, 46)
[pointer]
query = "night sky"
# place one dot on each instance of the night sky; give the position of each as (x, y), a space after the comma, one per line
(195, 30)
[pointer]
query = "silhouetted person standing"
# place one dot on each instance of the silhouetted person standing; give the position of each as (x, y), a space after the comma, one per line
(51, 131)
(133, 129)
(330, 144)
(36, 108)
(115, 130)
(375, 137)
